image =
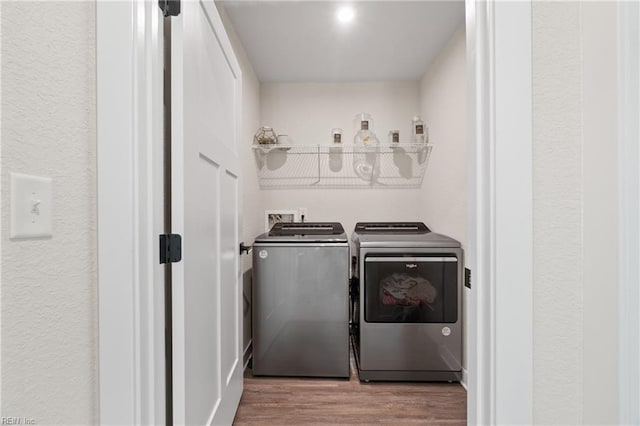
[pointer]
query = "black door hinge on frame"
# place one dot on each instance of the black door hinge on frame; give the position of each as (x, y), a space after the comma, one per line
(467, 277)
(169, 7)
(170, 248)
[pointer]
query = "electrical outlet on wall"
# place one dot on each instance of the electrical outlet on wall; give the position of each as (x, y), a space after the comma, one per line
(302, 211)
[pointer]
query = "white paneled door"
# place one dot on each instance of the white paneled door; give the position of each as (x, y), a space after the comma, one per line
(207, 314)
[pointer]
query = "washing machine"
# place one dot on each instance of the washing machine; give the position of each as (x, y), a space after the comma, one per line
(406, 303)
(300, 301)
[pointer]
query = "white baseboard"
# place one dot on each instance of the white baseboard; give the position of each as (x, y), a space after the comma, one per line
(465, 378)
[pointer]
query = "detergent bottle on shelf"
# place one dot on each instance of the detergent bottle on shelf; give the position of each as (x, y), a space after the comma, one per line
(364, 130)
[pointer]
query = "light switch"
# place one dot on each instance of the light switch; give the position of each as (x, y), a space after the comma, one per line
(30, 206)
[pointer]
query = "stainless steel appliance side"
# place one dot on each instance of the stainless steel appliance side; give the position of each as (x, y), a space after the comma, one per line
(300, 309)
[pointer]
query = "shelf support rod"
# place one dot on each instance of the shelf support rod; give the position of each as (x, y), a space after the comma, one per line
(318, 148)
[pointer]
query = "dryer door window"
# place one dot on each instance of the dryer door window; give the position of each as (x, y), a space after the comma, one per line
(416, 289)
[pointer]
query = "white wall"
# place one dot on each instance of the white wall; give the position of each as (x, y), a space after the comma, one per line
(49, 306)
(557, 215)
(307, 112)
(443, 106)
(1, 208)
(600, 212)
(575, 260)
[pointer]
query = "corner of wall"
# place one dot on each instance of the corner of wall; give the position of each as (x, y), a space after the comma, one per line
(443, 98)
(443, 107)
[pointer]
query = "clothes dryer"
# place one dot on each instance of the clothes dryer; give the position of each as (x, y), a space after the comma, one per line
(406, 303)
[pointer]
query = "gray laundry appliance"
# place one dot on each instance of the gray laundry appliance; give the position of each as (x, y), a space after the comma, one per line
(301, 301)
(406, 303)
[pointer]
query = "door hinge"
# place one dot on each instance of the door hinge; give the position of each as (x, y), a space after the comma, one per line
(169, 7)
(467, 277)
(170, 248)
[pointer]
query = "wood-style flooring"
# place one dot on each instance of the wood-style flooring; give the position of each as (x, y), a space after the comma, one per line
(305, 401)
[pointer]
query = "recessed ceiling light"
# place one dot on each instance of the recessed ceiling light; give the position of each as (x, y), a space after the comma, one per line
(346, 14)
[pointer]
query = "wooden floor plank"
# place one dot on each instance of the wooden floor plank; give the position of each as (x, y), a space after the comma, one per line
(308, 401)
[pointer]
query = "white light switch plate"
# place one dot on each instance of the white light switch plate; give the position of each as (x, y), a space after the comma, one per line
(30, 206)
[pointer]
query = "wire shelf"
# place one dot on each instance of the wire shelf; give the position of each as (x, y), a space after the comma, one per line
(341, 166)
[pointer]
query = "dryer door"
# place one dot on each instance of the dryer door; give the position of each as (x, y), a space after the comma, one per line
(411, 289)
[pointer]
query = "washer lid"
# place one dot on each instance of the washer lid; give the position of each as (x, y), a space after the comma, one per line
(391, 228)
(306, 232)
(306, 228)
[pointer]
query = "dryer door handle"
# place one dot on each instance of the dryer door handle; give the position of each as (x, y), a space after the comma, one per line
(411, 259)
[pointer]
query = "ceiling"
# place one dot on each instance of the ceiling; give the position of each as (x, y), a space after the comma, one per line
(302, 41)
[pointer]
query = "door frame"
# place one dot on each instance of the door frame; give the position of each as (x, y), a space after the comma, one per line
(629, 211)
(500, 220)
(130, 212)
(129, 83)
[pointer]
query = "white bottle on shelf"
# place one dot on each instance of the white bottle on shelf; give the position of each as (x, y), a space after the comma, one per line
(418, 131)
(336, 136)
(364, 130)
(365, 146)
(335, 151)
(394, 137)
